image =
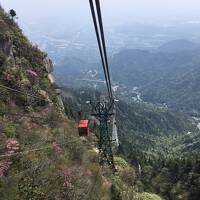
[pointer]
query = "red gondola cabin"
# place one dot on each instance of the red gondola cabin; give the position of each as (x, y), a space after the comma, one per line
(83, 128)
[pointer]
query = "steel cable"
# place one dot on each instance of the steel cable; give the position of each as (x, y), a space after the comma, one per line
(102, 52)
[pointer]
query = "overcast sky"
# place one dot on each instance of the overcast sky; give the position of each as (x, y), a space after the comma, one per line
(114, 11)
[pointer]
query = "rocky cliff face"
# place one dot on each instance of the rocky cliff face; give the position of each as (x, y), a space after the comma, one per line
(6, 44)
(6, 52)
(23, 66)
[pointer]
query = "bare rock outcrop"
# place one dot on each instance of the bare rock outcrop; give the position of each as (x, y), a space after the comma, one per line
(48, 65)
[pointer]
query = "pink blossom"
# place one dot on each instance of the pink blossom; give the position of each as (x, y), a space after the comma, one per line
(57, 148)
(4, 166)
(12, 146)
(107, 184)
(32, 73)
(68, 175)
(8, 77)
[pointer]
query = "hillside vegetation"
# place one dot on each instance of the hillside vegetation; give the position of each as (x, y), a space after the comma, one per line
(141, 127)
(161, 144)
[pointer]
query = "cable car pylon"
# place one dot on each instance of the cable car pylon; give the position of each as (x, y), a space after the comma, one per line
(104, 111)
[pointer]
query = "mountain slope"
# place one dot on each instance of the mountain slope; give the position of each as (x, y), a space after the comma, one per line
(161, 144)
(167, 76)
(142, 128)
(41, 154)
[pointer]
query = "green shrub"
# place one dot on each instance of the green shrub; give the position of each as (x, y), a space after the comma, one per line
(2, 106)
(10, 130)
(115, 193)
(129, 176)
(45, 84)
(148, 196)
(2, 58)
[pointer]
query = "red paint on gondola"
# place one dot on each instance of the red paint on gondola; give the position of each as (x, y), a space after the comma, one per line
(83, 128)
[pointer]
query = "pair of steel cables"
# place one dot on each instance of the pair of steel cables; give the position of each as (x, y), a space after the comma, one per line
(98, 25)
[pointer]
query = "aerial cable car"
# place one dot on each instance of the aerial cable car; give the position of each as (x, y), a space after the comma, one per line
(83, 128)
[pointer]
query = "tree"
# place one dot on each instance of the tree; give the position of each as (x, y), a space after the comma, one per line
(12, 13)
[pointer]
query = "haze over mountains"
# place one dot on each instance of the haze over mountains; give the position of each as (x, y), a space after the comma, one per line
(162, 75)
(154, 62)
(73, 48)
(62, 42)
(59, 28)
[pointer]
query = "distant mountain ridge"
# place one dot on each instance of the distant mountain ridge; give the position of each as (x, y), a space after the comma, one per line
(168, 76)
(178, 46)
